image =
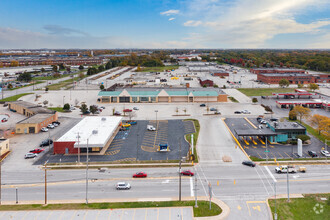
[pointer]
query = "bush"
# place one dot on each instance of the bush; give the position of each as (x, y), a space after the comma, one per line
(268, 109)
(303, 137)
(254, 100)
(293, 142)
(101, 86)
(66, 106)
(47, 89)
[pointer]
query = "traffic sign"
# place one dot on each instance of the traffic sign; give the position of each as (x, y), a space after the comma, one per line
(266, 151)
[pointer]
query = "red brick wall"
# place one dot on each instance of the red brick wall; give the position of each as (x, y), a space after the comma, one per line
(220, 74)
(59, 147)
(292, 79)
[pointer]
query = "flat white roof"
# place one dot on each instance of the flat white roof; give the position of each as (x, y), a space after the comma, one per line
(97, 129)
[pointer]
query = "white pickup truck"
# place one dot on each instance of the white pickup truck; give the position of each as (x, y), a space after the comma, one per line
(284, 169)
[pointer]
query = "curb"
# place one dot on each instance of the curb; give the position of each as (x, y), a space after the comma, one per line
(224, 207)
(280, 196)
(114, 166)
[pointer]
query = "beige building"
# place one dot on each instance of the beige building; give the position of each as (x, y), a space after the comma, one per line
(4, 146)
(34, 123)
(28, 109)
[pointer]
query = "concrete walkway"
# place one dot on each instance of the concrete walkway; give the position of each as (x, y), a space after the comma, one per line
(242, 98)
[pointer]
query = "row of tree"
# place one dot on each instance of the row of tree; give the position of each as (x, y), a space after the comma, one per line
(285, 83)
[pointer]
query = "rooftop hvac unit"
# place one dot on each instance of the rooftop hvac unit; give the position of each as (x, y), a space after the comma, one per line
(295, 125)
(95, 131)
(103, 119)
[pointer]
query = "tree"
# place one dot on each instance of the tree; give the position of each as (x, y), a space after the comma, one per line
(81, 75)
(322, 123)
(254, 100)
(81, 67)
(83, 108)
(284, 83)
(131, 115)
(26, 77)
(108, 65)
(101, 86)
(61, 66)
(303, 137)
(101, 68)
(138, 68)
(93, 109)
(300, 86)
(56, 75)
(68, 69)
(42, 70)
(301, 112)
(66, 107)
(292, 115)
(55, 68)
(313, 86)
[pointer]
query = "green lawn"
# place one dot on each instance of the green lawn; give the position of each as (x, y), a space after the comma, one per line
(58, 109)
(51, 77)
(202, 210)
(31, 84)
(159, 68)
(14, 98)
(302, 208)
(264, 91)
(188, 138)
(232, 99)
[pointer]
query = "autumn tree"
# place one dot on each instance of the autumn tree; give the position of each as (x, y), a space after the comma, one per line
(322, 123)
(313, 86)
(284, 83)
(292, 115)
(301, 112)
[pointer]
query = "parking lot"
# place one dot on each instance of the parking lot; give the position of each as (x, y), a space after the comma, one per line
(138, 143)
(256, 146)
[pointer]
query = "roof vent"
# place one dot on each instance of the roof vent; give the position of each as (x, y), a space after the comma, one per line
(103, 119)
(95, 131)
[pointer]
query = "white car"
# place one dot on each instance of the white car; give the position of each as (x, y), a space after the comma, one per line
(246, 112)
(30, 155)
(325, 153)
(123, 185)
(135, 108)
(50, 126)
(44, 129)
(151, 128)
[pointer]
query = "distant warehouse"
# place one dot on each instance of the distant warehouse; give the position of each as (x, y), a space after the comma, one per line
(146, 95)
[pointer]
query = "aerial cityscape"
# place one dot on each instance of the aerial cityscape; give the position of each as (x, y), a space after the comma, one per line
(140, 109)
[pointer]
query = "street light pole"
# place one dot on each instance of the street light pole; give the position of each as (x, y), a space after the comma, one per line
(180, 172)
(45, 167)
(63, 100)
(87, 174)
(156, 119)
(137, 146)
(275, 215)
(287, 182)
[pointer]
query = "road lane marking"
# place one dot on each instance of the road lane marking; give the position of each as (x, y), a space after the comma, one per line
(191, 187)
(252, 202)
(306, 180)
(262, 181)
(200, 179)
(270, 174)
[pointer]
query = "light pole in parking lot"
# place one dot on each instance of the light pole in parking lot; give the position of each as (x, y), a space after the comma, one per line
(45, 167)
(156, 119)
(63, 100)
(137, 146)
(87, 172)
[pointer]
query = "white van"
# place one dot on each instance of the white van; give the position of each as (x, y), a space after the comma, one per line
(151, 128)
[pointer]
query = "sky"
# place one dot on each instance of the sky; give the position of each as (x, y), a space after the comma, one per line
(162, 24)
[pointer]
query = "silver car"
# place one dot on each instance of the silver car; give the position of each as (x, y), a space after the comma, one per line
(30, 155)
(325, 153)
(123, 185)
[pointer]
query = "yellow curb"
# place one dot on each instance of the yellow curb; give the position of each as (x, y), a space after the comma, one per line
(223, 119)
(250, 122)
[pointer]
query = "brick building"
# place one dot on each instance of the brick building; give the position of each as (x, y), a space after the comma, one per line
(275, 78)
(276, 70)
(205, 82)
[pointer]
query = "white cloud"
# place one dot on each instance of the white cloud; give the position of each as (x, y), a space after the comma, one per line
(171, 19)
(170, 12)
(250, 23)
(192, 23)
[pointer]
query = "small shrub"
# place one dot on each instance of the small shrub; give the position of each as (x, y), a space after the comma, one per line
(254, 100)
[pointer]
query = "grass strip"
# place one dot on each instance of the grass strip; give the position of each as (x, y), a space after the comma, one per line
(232, 99)
(309, 207)
(264, 91)
(159, 68)
(58, 109)
(188, 138)
(31, 84)
(14, 97)
(201, 211)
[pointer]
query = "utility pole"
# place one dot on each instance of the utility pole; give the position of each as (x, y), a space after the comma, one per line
(78, 150)
(137, 146)
(45, 167)
(156, 119)
(87, 174)
(266, 150)
(287, 182)
(275, 214)
(196, 206)
(180, 174)
(16, 190)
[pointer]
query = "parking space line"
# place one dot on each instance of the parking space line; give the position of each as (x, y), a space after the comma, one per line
(110, 214)
(280, 154)
(145, 217)
(97, 215)
(74, 214)
(169, 216)
(273, 154)
(287, 154)
(134, 214)
(48, 215)
(259, 155)
(157, 213)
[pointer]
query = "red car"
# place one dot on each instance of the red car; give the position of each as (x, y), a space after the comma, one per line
(140, 175)
(127, 110)
(36, 151)
(187, 173)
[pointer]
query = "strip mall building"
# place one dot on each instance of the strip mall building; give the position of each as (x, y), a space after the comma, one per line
(145, 95)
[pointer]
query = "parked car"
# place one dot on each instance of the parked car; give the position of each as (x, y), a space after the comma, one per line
(325, 153)
(30, 155)
(46, 142)
(116, 113)
(140, 175)
(56, 122)
(246, 112)
(249, 163)
(102, 107)
(50, 126)
(36, 151)
(44, 129)
(273, 119)
(312, 153)
(123, 185)
(4, 120)
(217, 113)
(187, 173)
(127, 110)
(151, 128)
(202, 105)
(135, 108)
(237, 112)
(87, 112)
(213, 109)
